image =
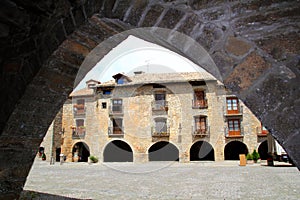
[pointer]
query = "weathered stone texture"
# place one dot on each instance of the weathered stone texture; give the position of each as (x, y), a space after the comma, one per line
(31, 33)
(237, 47)
(252, 68)
(138, 121)
(152, 16)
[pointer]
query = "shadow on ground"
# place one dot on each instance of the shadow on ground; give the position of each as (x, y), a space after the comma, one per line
(32, 195)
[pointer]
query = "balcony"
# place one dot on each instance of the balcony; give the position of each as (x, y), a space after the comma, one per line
(235, 133)
(79, 109)
(78, 133)
(115, 132)
(233, 113)
(201, 132)
(160, 107)
(165, 132)
(260, 132)
(200, 104)
(116, 110)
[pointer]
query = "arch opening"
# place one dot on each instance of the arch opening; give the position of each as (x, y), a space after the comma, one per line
(57, 154)
(163, 151)
(263, 150)
(118, 151)
(80, 152)
(234, 149)
(201, 151)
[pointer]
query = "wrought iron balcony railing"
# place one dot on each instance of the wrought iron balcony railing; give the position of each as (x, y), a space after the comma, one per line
(234, 133)
(201, 132)
(79, 109)
(160, 105)
(115, 131)
(78, 133)
(261, 132)
(164, 132)
(199, 104)
(237, 112)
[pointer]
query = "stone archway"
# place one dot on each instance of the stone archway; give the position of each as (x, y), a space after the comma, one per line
(57, 154)
(201, 151)
(233, 149)
(80, 152)
(117, 151)
(38, 69)
(263, 150)
(163, 151)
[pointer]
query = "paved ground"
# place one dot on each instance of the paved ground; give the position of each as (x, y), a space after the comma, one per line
(163, 180)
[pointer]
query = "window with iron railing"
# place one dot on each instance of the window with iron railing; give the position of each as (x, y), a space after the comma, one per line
(160, 103)
(200, 127)
(79, 107)
(160, 128)
(199, 100)
(117, 128)
(234, 128)
(79, 131)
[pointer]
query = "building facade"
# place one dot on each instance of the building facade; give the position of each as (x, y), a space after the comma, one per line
(154, 117)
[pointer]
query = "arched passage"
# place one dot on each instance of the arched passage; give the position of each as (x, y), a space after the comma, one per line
(80, 152)
(26, 57)
(118, 151)
(202, 150)
(233, 149)
(263, 150)
(163, 151)
(57, 154)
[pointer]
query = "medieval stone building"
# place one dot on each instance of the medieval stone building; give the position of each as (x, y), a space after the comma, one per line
(153, 117)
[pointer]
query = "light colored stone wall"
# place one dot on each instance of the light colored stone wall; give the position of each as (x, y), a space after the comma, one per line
(52, 140)
(138, 119)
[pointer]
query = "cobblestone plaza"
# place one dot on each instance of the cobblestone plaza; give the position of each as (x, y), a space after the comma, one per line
(164, 180)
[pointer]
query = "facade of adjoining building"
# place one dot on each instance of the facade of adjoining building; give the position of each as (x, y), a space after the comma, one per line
(159, 117)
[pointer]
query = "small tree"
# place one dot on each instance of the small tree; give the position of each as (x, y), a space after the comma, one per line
(255, 156)
(249, 156)
(94, 159)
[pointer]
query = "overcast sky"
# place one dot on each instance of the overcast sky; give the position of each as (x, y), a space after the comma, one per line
(135, 54)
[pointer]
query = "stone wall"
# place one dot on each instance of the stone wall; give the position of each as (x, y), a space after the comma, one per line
(53, 138)
(138, 120)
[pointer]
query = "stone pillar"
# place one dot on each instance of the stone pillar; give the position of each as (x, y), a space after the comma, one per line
(184, 157)
(140, 157)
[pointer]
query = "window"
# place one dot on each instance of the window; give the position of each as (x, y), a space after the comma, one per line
(117, 126)
(199, 99)
(200, 124)
(104, 105)
(117, 105)
(161, 125)
(160, 99)
(80, 102)
(234, 125)
(79, 123)
(106, 92)
(234, 128)
(121, 81)
(79, 107)
(80, 128)
(264, 131)
(232, 105)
